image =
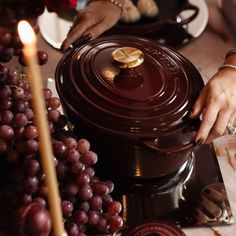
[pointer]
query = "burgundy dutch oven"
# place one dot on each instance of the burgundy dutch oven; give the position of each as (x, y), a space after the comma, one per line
(131, 98)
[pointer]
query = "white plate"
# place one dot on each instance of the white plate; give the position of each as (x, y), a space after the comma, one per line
(197, 26)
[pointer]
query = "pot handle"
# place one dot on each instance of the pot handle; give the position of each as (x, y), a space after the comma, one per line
(151, 146)
(151, 143)
(188, 6)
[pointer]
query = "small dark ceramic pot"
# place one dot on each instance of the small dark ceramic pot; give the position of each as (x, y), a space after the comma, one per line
(168, 17)
(131, 98)
(152, 228)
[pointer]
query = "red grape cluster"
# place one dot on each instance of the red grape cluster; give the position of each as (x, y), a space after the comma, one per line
(86, 201)
(11, 12)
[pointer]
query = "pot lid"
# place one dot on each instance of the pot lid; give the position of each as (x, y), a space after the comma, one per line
(129, 85)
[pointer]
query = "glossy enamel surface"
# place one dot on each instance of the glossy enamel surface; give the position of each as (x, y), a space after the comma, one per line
(138, 114)
(153, 99)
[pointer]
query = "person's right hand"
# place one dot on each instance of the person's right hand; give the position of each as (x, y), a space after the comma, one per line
(217, 105)
(92, 21)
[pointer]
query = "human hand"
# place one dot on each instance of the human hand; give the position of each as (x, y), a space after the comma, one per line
(217, 105)
(92, 21)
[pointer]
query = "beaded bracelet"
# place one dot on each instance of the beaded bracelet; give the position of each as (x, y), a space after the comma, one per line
(227, 66)
(230, 52)
(115, 2)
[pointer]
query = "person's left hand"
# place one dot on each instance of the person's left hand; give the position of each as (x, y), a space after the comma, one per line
(92, 21)
(217, 105)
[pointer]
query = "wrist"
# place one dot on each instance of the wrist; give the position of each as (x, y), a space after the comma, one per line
(230, 53)
(230, 57)
(118, 3)
(228, 66)
(230, 60)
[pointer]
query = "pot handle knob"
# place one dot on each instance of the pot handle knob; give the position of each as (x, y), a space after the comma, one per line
(127, 57)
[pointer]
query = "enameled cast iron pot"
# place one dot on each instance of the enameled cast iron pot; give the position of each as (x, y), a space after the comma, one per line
(131, 97)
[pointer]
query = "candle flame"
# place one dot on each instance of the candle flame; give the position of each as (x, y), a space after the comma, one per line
(26, 32)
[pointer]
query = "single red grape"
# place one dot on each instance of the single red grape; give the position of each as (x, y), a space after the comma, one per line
(42, 57)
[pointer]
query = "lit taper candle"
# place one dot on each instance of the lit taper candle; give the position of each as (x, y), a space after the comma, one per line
(29, 41)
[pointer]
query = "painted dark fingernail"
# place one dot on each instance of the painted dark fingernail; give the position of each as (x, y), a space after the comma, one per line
(62, 48)
(88, 36)
(200, 141)
(82, 40)
(191, 114)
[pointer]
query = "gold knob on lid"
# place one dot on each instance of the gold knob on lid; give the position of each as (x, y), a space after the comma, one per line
(128, 57)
